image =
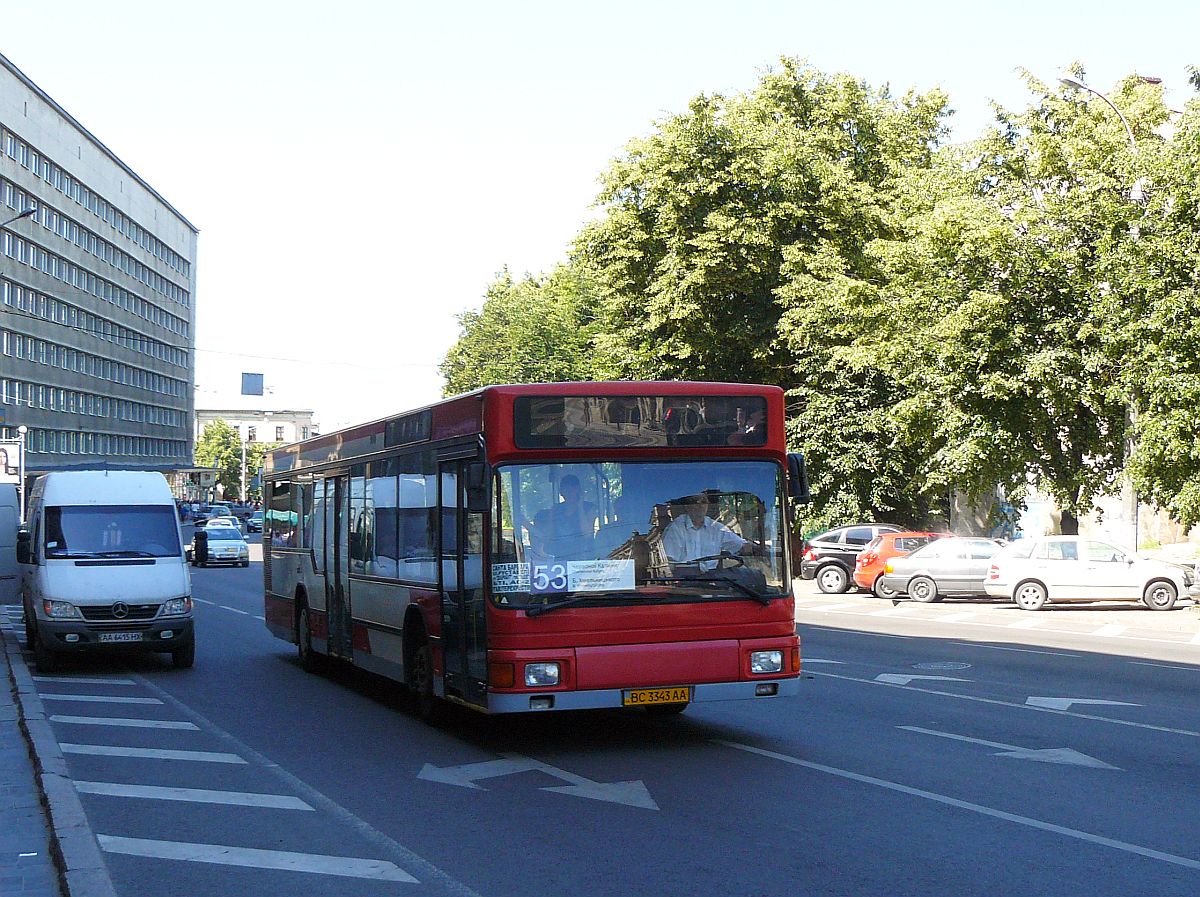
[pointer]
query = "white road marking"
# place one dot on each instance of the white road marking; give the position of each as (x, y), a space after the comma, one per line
(904, 678)
(84, 680)
(128, 723)
(897, 611)
(957, 618)
(831, 607)
(819, 660)
(235, 610)
(1165, 666)
(1110, 629)
(257, 617)
(1029, 623)
(1186, 862)
(1022, 650)
(194, 795)
(1065, 703)
(348, 867)
(1195, 639)
(108, 750)
(1066, 756)
(999, 703)
(99, 699)
(202, 600)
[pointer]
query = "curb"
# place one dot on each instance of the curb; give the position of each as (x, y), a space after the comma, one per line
(74, 847)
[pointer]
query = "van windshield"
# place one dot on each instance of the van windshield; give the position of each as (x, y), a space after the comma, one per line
(110, 531)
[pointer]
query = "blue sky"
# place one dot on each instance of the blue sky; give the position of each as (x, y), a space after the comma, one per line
(360, 170)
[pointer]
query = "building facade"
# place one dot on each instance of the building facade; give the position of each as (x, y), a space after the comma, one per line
(260, 426)
(97, 289)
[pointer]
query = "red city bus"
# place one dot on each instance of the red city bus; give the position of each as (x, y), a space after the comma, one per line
(546, 547)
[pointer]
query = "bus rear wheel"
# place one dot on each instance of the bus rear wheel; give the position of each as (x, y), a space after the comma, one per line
(309, 661)
(418, 677)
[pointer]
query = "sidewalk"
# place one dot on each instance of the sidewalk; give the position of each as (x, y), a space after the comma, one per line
(47, 848)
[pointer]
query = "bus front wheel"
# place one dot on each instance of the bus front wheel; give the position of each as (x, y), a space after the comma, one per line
(419, 679)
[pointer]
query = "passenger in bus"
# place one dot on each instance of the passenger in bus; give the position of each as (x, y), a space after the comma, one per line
(693, 535)
(572, 522)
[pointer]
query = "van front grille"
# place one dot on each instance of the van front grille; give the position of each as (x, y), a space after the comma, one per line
(105, 613)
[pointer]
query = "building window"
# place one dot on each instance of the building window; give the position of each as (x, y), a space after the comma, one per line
(251, 434)
(279, 434)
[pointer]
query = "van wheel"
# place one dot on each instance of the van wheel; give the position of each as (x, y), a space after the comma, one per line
(1160, 596)
(184, 658)
(45, 658)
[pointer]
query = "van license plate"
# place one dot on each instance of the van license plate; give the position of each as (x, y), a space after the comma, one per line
(642, 697)
(120, 637)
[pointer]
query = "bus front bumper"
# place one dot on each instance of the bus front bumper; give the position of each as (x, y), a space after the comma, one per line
(598, 699)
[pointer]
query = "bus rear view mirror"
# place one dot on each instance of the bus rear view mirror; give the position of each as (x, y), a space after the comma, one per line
(798, 478)
(476, 481)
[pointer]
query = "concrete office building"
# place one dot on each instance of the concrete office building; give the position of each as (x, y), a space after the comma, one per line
(97, 288)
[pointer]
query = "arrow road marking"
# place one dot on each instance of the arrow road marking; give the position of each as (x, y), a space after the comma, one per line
(904, 678)
(1065, 703)
(632, 793)
(1065, 756)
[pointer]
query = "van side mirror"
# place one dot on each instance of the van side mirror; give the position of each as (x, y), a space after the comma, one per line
(475, 479)
(798, 478)
(25, 547)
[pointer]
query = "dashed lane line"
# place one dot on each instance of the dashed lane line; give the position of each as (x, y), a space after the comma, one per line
(83, 680)
(109, 750)
(99, 699)
(349, 867)
(1125, 846)
(1021, 650)
(1195, 639)
(1029, 623)
(958, 618)
(245, 613)
(1165, 666)
(126, 723)
(1109, 630)
(194, 795)
(997, 702)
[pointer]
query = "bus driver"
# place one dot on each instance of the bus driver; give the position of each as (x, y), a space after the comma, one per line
(694, 535)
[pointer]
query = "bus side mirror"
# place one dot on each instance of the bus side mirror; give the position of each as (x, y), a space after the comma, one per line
(24, 547)
(798, 478)
(476, 482)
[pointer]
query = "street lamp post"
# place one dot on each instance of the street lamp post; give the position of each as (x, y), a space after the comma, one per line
(21, 433)
(1137, 193)
(18, 216)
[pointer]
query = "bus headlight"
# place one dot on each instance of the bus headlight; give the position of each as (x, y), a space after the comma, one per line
(60, 610)
(176, 607)
(539, 675)
(766, 661)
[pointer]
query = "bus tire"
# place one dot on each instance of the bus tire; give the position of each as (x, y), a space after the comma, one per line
(418, 676)
(310, 662)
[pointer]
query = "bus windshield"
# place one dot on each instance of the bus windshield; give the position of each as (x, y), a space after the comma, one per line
(637, 532)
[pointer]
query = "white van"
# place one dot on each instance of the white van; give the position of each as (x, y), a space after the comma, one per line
(10, 521)
(103, 567)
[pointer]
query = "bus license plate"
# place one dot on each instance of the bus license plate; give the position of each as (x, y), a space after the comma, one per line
(120, 636)
(642, 697)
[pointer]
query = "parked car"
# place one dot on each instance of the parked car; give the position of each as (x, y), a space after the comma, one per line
(254, 522)
(225, 546)
(829, 557)
(954, 566)
(868, 566)
(1035, 571)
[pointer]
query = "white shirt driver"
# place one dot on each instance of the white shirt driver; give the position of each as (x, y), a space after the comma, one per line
(685, 542)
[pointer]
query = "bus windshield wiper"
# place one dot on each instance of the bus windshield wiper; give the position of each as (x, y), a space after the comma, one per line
(740, 586)
(538, 609)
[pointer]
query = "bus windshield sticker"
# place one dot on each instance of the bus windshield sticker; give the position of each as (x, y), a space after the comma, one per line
(510, 577)
(600, 576)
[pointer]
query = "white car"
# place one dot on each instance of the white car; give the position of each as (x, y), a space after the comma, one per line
(214, 522)
(1036, 570)
(225, 546)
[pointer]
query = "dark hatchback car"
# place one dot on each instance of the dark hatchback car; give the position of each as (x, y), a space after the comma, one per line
(829, 557)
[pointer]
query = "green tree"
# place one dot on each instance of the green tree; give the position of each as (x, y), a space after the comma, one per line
(720, 228)
(220, 446)
(535, 330)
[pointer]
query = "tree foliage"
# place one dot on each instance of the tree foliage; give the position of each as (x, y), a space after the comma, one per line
(537, 329)
(220, 446)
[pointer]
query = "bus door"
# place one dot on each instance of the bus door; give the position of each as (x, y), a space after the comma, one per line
(337, 561)
(464, 612)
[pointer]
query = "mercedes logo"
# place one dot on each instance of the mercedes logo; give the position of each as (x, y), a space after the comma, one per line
(120, 610)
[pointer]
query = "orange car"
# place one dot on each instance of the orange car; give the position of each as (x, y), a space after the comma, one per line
(868, 567)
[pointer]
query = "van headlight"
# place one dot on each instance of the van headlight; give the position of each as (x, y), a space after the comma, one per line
(766, 661)
(60, 610)
(539, 675)
(176, 607)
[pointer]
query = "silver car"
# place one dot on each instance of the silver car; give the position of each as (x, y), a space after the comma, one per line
(952, 566)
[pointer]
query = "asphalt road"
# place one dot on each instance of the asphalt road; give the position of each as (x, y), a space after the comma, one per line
(1019, 767)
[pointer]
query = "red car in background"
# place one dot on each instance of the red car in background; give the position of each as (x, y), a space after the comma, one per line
(868, 566)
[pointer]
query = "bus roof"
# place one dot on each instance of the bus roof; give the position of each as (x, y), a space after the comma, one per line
(490, 409)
